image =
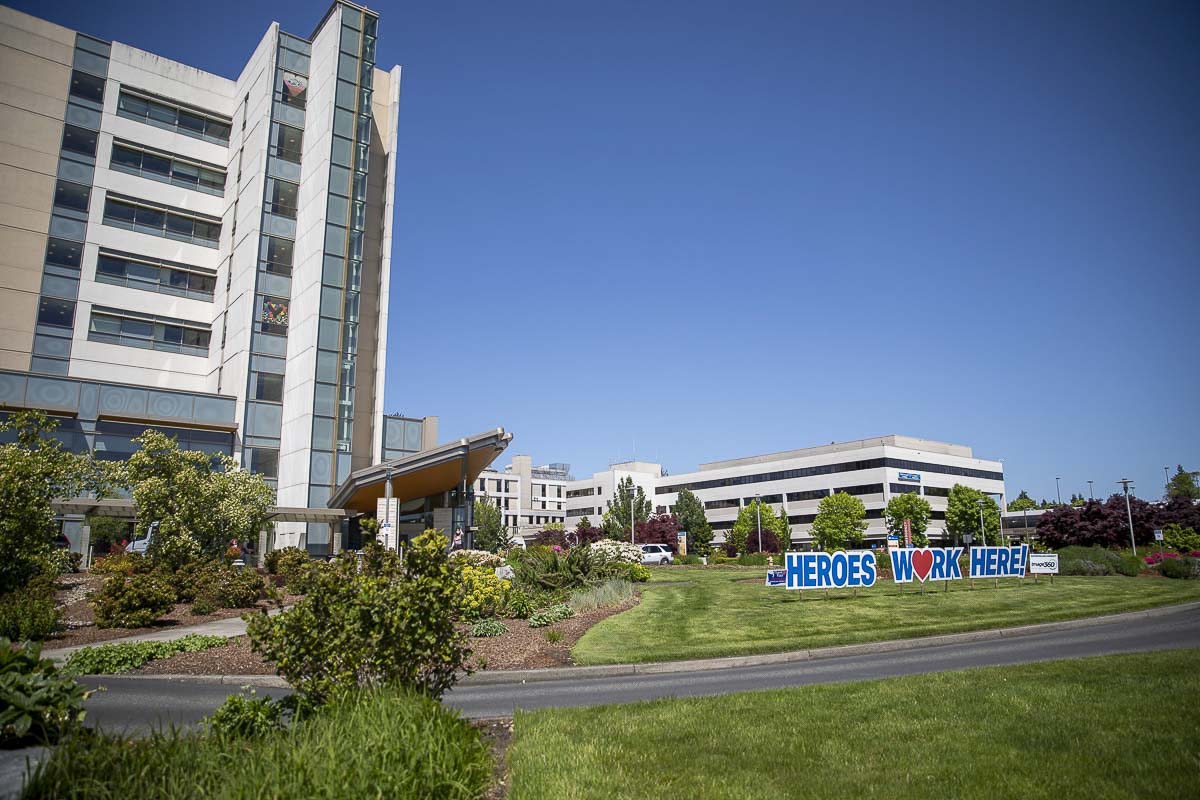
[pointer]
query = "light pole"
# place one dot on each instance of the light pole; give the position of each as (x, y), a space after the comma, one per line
(1125, 484)
(1167, 479)
(632, 523)
(758, 514)
(1091, 495)
(982, 530)
(1058, 488)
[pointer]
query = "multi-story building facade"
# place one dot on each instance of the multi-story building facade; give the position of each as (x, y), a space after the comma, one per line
(203, 253)
(529, 497)
(793, 482)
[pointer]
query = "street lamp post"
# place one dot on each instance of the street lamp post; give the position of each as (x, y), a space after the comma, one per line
(1128, 513)
(1058, 488)
(1166, 480)
(758, 514)
(632, 518)
(1091, 495)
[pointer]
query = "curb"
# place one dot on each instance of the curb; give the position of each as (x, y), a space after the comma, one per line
(497, 677)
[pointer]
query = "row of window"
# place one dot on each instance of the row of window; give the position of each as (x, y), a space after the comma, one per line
(159, 166)
(154, 275)
(164, 114)
(116, 326)
(581, 512)
(158, 220)
(588, 492)
(830, 469)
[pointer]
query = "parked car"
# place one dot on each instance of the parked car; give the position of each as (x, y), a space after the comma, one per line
(657, 554)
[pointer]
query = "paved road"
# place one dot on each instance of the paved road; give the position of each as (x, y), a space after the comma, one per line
(141, 703)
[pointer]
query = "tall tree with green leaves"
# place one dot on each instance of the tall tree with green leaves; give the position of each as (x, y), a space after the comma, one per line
(1183, 484)
(962, 514)
(201, 502)
(616, 518)
(840, 522)
(34, 470)
(490, 533)
(1023, 502)
(743, 537)
(916, 510)
(689, 512)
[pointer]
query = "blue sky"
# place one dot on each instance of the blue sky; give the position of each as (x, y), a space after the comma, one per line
(689, 231)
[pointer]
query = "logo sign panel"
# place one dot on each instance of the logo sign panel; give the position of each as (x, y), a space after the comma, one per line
(776, 577)
(841, 570)
(999, 562)
(926, 564)
(910, 477)
(1043, 563)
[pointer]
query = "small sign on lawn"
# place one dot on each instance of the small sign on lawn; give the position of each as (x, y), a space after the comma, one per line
(1043, 563)
(1158, 536)
(776, 577)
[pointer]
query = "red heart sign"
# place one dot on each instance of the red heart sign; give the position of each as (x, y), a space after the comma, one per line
(922, 562)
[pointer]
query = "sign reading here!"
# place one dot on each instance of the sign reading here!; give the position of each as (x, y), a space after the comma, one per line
(841, 570)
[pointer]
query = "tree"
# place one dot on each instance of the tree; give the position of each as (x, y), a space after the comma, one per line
(1105, 524)
(1023, 503)
(690, 513)
(616, 518)
(840, 522)
(743, 537)
(584, 533)
(916, 510)
(108, 533)
(962, 514)
(490, 533)
(201, 502)
(33, 471)
(1183, 484)
(659, 529)
(1077, 500)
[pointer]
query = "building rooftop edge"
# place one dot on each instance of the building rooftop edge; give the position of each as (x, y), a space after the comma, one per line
(891, 440)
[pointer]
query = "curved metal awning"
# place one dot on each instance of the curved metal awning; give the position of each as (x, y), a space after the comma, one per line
(421, 474)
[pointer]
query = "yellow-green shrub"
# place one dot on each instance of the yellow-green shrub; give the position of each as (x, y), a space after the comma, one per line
(482, 594)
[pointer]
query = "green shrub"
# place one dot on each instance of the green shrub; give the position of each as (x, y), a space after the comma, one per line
(488, 627)
(190, 579)
(122, 564)
(370, 744)
(203, 607)
(548, 616)
(541, 569)
(132, 602)
(753, 559)
(518, 605)
(294, 565)
(392, 624)
(639, 573)
(110, 659)
(553, 637)
(624, 571)
(610, 593)
(688, 560)
(1180, 539)
(247, 717)
(481, 593)
(63, 561)
(1179, 567)
(230, 588)
(1094, 561)
(29, 613)
(38, 704)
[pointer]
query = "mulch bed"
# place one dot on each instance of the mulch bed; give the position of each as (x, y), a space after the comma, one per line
(235, 658)
(80, 619)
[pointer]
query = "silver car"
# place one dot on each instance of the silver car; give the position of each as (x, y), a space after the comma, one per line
(656, 554)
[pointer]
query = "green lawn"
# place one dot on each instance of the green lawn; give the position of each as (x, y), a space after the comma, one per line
(704, 612)
(1120, 726)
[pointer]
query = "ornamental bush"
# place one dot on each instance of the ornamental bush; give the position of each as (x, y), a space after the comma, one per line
(38, 704)
(608, 551)
(1184, 567)
(481, 594)
(518, 605)
(29, 613)
(132, 602)
(478, 558)
(392, 624)
(488, 627)
(245, 716)
(294, 565)
(1180, 539)
(63, 561)
(122, 564)
(547, 616)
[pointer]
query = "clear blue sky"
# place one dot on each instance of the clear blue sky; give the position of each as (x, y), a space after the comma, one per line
(722, 229)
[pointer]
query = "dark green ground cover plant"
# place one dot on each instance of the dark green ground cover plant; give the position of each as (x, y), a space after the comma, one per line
(548, 616)
(368, 744)
(110, 659)
(38, 704)
(485, 628)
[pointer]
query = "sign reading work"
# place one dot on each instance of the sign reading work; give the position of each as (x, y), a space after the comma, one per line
(841, 570)
(1043, 564)
(776, 577)
(999, 562)
(926, 564)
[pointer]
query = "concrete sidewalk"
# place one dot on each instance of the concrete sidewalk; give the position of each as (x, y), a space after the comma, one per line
(233, 626)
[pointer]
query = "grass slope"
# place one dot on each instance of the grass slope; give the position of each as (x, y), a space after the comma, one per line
(707, 612)
(1117, 726)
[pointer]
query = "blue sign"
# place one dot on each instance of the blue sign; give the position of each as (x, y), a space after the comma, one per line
(926, 564)
(776, 577)
(911, 477)
(840, 570)
(999, 562)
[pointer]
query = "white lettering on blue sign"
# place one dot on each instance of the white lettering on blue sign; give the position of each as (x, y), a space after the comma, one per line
(926, 564)
(775, 577)
(841, 570)
(911, 477)
(999, 562)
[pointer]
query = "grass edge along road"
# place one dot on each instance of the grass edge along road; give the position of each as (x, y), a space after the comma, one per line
(708, 612)
(1112, 726)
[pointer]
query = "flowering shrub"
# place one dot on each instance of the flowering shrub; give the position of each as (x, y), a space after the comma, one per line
(608, 551)
(122, 564)
(1155, 559)
(478, 558)
(481, 593)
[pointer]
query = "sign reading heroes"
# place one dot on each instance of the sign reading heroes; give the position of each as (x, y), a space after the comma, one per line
(999, 562)
(926, 564)
(841, 570)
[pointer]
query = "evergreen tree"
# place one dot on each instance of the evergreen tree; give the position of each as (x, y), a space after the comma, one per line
(689, 511)
(490, 533)
(616, 518)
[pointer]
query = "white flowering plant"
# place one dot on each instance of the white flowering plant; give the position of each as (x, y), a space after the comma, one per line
(608, 551)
